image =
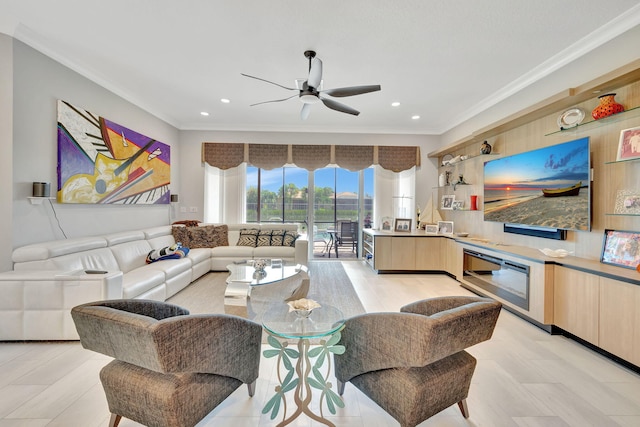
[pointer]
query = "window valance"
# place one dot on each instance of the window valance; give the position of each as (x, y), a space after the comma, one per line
(269, 156)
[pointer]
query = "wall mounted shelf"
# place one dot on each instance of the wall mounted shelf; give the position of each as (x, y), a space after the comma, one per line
(630, 113)
(554, 104)
(38, 200)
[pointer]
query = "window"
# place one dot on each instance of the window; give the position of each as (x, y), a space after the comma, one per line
(277, 195)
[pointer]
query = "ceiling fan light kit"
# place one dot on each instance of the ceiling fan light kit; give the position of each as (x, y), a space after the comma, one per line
(309, 93)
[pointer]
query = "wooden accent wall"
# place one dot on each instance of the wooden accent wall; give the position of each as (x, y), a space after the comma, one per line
(542, 132)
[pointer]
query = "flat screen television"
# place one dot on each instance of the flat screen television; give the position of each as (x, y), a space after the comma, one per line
(549, 187)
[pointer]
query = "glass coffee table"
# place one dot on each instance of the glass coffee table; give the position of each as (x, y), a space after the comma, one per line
(295, 367)
(284, 283)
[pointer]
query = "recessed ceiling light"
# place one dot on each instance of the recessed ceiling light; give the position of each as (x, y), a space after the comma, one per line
(224, 100)
(416, 117)
(395, 104)
(204, 113)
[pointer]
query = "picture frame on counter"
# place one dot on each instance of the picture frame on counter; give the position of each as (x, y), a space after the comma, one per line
(621, 248)
(402, 224)
(445, 227)
(429, 228)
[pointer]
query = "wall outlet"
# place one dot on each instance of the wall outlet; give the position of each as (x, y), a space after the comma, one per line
(193, 209)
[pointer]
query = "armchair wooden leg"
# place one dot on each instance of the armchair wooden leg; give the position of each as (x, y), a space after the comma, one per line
(114, 420)
(252, 388)
(340, 387)
(463, 408)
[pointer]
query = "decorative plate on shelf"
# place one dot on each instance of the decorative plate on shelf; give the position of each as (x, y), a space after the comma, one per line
(570, 118)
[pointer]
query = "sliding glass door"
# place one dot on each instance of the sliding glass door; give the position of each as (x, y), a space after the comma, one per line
(340, 197)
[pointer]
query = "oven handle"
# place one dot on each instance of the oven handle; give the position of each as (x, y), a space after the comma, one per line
(517, 267)
(484, 257)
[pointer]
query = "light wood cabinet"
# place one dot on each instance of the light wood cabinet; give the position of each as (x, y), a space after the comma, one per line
(397, 252)
(620, 319)
(576, 303)
(430, 253)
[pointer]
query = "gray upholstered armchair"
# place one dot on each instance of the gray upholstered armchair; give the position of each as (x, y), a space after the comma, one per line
(171, 368)
(413, 363)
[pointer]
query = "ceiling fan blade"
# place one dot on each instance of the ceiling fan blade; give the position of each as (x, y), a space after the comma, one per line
(258, 78)
(339, 107)
(315, 73)
(275, 100)
(351, 91)
(304, 113)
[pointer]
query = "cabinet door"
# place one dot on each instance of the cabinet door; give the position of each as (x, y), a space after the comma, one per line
(576, 302)
(429, 253)
(403, 253)
(620, 319)
(382, 256)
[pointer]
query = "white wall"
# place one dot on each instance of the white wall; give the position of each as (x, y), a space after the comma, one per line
(6, 147)
(38, 83)
(192, 169)
(614, 54)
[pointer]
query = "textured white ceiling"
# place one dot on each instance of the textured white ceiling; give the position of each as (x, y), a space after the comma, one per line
(442, 60)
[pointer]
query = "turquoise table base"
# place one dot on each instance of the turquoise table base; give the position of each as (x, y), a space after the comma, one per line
(304, 372)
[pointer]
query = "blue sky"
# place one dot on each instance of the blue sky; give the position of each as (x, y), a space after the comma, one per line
(550, 167)
(347, 181)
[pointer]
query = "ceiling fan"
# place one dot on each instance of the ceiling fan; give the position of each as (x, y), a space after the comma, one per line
(309, 93)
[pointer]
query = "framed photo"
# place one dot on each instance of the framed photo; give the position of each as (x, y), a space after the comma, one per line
(431, 229)
(621, 248)
(445, 227)
(627, 202)
(402, 224)
(629, 145)
(385, 223)
(458, 205)
(447, 201)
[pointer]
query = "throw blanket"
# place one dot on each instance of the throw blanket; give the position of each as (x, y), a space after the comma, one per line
(175, 251)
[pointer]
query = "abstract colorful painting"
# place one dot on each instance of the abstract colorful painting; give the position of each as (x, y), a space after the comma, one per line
(100, 161)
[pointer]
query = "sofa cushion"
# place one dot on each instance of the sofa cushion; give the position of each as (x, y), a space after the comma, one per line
(274, 252)
(245, 252)
(131, 255)
(141, 280)
(47, 250)
(248, 237)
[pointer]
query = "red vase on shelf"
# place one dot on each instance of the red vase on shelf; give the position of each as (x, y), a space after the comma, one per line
(474, 203)
(607, 107)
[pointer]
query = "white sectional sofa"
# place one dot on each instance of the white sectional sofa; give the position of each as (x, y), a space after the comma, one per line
(50, 278)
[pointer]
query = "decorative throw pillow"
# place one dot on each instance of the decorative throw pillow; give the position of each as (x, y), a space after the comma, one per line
(221, 233)
(248, 237)
(264, 238)
(277, 236)
(202, 237)
(290, 238)
(181, 235)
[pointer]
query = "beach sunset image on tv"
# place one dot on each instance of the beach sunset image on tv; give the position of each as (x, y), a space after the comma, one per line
(548, 187)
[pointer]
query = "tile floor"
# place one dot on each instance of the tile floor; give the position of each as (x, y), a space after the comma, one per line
(524, 378)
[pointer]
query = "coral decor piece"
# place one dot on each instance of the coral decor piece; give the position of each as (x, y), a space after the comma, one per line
(303, 307)
(607, 107)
